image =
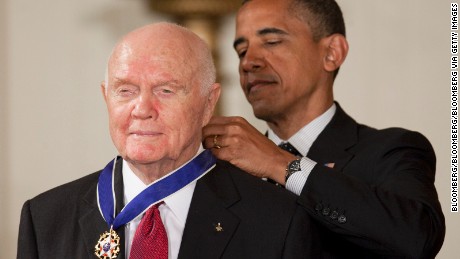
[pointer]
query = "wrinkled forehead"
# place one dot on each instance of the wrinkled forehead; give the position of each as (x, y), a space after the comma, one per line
(165, 48)
(150, 56)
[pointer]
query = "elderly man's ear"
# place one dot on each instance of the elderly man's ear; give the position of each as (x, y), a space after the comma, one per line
(211, 102)
(103, 91)
(336, 50)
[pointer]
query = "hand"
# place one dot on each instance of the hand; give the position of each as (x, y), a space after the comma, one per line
(235, 140)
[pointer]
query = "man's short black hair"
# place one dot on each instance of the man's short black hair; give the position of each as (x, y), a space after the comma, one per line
(324, 17)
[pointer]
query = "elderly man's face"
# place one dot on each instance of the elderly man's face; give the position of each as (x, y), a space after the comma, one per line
(156, 107)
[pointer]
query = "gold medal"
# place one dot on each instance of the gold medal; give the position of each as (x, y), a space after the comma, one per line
(108, 245)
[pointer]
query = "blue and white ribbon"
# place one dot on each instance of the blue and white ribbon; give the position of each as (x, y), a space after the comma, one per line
(154, 193)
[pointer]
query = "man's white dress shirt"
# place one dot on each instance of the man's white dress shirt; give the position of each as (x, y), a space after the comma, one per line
(173, 212)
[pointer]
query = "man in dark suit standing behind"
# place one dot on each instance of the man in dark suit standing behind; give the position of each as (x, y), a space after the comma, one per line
(164, 196)
(372, 191)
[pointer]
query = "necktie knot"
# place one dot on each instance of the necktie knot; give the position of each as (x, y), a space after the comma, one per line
(150, 240)
(149, 225)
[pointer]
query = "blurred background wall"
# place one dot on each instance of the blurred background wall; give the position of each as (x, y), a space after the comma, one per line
(53, 122)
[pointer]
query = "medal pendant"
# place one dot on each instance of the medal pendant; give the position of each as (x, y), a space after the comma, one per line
(108, 245)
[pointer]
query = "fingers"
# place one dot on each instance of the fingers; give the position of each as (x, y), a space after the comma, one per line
(213, 128)
(219, 125)
(220, 120)
(215, 143)
(218, 132)
(235, 140)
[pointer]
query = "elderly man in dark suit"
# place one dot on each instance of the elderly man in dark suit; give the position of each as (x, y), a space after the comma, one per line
(164, 196)
(371, 191)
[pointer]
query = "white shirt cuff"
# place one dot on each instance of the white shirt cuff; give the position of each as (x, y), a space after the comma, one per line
(297, 181)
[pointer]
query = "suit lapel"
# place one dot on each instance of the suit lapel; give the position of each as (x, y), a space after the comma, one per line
(330, 148)
(92, 223)
(210, 225)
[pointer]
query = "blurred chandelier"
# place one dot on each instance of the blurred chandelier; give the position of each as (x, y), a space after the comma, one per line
(201, 16)
(196, 7)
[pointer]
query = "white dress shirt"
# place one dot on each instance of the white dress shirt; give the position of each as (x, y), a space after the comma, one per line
(173, 212)
(302, 141)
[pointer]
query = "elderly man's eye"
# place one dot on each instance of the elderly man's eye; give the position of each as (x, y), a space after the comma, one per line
(126, 91)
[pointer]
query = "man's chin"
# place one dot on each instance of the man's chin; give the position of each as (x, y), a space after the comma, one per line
(262, 112)
(144, 156)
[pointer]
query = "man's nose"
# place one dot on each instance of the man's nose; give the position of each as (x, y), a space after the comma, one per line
(253, 60)
(145, 107)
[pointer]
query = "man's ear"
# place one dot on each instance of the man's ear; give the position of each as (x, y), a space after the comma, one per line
(336, 51)
(104, 91)
(211, 102)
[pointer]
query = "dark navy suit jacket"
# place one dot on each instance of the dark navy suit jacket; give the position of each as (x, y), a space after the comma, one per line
(378, 200)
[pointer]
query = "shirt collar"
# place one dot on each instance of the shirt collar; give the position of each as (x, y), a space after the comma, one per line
(178, 202)
(303, 139)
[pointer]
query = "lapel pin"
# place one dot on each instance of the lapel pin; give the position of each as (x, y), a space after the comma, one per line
(219, 228)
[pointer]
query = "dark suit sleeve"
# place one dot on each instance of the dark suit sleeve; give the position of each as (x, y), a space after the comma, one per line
(27, 244)
(384, 200)
(302, 240)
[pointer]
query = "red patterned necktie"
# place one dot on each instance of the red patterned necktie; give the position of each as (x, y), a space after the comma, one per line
(150, 240)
